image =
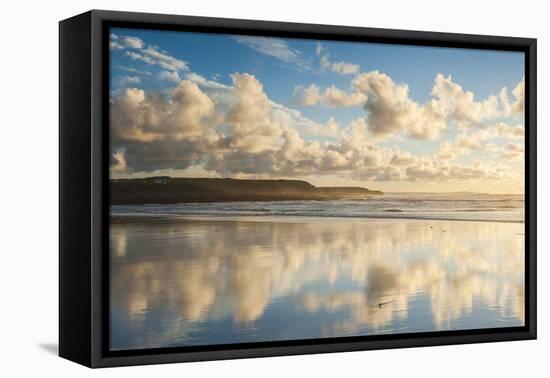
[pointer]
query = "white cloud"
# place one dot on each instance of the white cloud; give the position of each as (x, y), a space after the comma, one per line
(308, 96)
(114, 43)
(152, 56)
(502, 130)
(246, 134)
(339, 98)
(461, 105)
(124, 81)
(237, 130)
(304, 125)
(253, 127)
(402, 158)
(170, 76)
(345, 68)
(518, 103)
(118, 161)
(137, 56)
(513, 151)
(332, 127)
(121, 42)
(158, 132)
(203, 82)
(341, 68)
(134, 71)
(463, 144)
(467, 142)
(136, 49)
(331, 96)
(433, 172)
(519, 94)
(392, 111)
(276, 48)
(132, 42)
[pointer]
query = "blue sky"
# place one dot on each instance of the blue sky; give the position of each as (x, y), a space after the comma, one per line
(482, 71)
(146, 59)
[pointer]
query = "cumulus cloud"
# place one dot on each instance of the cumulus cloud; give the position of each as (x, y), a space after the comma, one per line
(146, 117)
(503, 130)
(331, 96)
(338, 98)
(332, 127)
(402, 158)
(513, 151)
(466, 142)
(246, 134)
(253, 129)
(163, 132)
(461, 104)
(308, 96)
(392, 111)
(118, 161)
(519, 94)
(235, 129)
(431, 171)
(132, 42)
(518, 103)
(304, 125)
(341, 68)
(121, 42)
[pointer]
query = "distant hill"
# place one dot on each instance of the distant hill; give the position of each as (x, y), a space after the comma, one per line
(165, 190)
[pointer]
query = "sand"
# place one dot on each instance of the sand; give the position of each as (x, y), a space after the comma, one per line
(215, 280)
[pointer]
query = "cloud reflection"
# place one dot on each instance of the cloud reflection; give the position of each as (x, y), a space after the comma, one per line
(174, 283)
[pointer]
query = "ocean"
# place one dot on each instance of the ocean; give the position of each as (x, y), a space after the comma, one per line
(459, 206)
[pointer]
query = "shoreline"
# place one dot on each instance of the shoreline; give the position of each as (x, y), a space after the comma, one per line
(165, 218)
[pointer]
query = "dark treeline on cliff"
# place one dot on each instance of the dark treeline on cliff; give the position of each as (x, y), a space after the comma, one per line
(163, 190)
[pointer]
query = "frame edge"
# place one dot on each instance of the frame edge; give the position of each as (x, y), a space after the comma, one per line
(75, 274)
(98, 17)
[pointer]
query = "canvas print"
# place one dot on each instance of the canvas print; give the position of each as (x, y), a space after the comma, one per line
(272, 189)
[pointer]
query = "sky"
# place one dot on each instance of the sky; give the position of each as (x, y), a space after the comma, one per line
(389, 117)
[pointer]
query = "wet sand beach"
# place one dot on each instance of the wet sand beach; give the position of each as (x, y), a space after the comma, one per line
(181, 281)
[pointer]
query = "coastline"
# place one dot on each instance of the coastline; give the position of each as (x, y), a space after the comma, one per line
(173, 190)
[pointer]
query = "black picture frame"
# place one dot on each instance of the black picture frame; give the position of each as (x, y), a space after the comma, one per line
(84, 193)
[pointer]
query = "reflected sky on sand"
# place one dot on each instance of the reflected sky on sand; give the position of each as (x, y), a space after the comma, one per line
(181, 282)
